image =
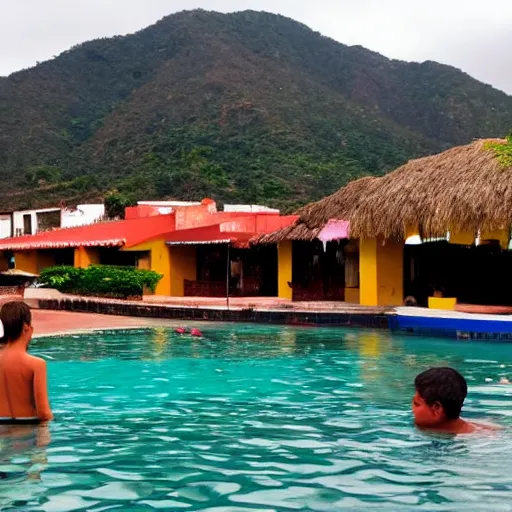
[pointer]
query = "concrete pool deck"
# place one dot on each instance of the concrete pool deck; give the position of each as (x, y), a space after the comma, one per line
(55, 313)
(47, 323)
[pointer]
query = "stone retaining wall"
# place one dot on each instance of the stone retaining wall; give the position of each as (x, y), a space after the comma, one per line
(10, 293)
(304, 318)
(12, 290)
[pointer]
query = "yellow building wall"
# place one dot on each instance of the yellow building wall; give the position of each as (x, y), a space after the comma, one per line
(352, 295)
(381, 272)
(160, 262)
(183, 266)
(502, 236)
(27, 261)
(462, 238)
(469, 238)
(390, 273)
(411, 231)
(86, 256)
(284, 269)
(368, 272)
(446, 303)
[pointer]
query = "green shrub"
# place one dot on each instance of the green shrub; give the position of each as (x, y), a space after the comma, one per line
(502, 151)
(62, 278)
(101, 280)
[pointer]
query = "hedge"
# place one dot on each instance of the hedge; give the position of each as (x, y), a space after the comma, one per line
(101, 280)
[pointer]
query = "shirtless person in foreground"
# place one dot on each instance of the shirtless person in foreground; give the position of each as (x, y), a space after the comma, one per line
(23, 387)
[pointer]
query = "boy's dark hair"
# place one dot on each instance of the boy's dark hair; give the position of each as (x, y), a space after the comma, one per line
(444, 385)
(14, 315)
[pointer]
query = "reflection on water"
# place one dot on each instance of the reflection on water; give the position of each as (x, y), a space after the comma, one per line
(256, 418)
(159, 339)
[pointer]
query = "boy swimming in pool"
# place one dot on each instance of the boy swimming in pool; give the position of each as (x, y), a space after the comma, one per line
(437, 403)
(23, 389)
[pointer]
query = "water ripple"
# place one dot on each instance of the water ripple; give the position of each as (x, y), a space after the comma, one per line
(256, 418)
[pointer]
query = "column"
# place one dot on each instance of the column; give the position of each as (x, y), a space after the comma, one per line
(284, 269)
(86, 256)
(381, 272)
(161, 263)
(368, 288)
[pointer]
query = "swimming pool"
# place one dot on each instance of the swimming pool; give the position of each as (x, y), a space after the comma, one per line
(257, 418)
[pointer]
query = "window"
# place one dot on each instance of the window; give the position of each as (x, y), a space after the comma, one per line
(27, 224)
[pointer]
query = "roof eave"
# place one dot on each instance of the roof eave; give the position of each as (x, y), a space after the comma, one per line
(33, 246)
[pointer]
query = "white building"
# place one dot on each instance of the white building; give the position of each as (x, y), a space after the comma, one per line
(249, 208)
(166, 207)
(30, 222)
(83, 215)
(6, 225)
(169, 204)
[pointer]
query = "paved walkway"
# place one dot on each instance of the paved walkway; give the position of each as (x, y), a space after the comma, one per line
(48, 322)
(62, 322)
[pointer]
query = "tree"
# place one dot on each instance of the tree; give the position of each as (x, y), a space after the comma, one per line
(42, 174)
(115, 203)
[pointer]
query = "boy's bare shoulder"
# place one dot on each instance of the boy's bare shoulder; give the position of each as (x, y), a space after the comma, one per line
(36, 362)
(486, 427)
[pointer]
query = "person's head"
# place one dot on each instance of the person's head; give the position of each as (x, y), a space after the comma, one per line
(16, 321)
(440, 394)
(410, 301)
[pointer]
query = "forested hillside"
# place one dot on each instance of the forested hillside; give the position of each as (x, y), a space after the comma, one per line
(248, 107)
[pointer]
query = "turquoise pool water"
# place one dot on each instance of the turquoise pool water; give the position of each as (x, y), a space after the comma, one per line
(257, 418)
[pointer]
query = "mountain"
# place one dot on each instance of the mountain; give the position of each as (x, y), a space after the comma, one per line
(249, 106)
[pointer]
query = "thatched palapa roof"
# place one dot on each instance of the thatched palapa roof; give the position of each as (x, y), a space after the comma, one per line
(464, 189)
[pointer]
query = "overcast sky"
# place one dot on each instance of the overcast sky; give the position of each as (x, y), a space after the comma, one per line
(475, 36)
